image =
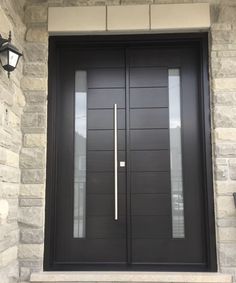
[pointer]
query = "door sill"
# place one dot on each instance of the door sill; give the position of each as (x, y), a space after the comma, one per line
(131, 276)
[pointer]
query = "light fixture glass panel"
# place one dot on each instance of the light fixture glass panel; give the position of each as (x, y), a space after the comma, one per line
(176, 172)
(80, 154)
(13, 58)
(3, 58)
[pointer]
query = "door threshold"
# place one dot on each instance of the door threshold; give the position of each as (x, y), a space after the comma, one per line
(131, 276)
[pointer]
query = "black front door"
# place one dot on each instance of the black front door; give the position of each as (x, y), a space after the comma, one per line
(139, 106)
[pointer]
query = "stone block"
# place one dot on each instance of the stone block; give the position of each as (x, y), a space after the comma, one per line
(36, 52)
(8, 256)
(34, 108)
(30, 251)
(36, 14)
(10, 273)
(224, 37)
(5, 24)
(138, 2)
(10, 239)
(36, 84)
(225, 149)
(34, 140)
(11, 139)
(37, 34)
(9, 190)
(29, 120)
(224, 117)
(88, 2)
(184, 16)
(225, 188)
(36, 70)
(130, 17)
(226, 222)
(224, 84)
(25, 274)
(227, 13)
(31, 216)
(33, 130)
(33, 176)
(224, 67)
(9, 174)
(225, 135)
(32, 158)
(9, 157)
(13, 209)
(32, 236)
(221, 169)
(26, 202)
(4, 210)
(221, 26)
(225, 98)
(232, 169)
(227, 254)
(76, 19)
(225, 206)
(227, 234)
(32, 191)
(42, 120)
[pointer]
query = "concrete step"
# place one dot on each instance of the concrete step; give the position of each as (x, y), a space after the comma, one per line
(127, 277)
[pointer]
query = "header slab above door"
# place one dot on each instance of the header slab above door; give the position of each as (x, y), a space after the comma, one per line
(162, 18)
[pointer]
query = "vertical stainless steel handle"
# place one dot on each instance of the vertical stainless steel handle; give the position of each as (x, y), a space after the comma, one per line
(115, 163)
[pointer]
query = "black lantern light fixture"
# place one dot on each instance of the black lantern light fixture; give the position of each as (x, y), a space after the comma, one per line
(9, 54)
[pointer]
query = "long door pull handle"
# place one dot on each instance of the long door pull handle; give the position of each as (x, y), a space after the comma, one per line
(115, 163)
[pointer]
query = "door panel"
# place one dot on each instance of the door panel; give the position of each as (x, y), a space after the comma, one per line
(148, 77)
(148, 97)
(156, 200)
(106, 97)
(106, 78)
(150, 160)
(146, 182)
(159, 196)
(103, 139)
(149, 118)
(149, 139)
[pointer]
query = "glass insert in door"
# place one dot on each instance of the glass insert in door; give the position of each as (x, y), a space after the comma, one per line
(176, 173)
(80, 139)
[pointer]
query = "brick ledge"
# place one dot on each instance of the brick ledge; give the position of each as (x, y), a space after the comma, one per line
(95, 276)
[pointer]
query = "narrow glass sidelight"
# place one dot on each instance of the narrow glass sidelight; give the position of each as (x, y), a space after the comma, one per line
(80, 154)
(176, 173)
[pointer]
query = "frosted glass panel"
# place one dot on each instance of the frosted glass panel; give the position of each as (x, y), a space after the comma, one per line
(80, 154)
(176, 154)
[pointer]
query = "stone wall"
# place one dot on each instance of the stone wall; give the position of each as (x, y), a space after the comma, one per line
(11, 106)
(223, 75)
(33, 125)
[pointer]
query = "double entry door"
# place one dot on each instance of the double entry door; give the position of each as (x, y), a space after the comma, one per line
(129, 185)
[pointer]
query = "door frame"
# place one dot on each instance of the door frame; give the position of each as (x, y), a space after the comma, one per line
(199, 40)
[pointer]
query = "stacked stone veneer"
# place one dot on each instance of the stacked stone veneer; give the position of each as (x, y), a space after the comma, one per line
(23, 136)
(11, 107)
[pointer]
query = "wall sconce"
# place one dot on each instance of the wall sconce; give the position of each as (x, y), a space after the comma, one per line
(9, 54)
